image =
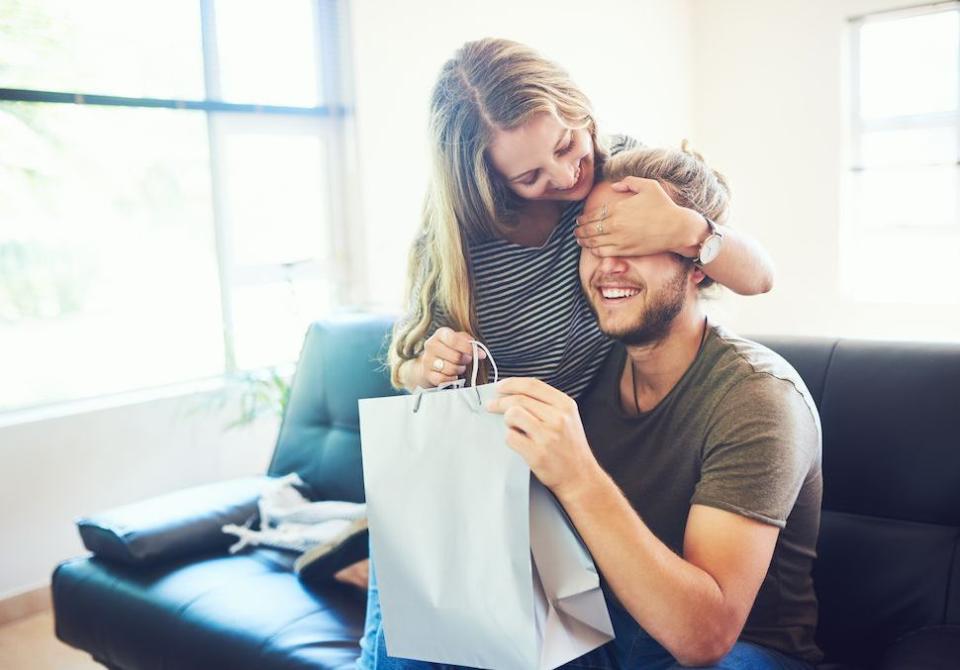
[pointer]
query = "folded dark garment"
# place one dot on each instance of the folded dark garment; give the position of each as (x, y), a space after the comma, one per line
(322, 562)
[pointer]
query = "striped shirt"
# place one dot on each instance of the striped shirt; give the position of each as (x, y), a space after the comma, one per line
(531, 311)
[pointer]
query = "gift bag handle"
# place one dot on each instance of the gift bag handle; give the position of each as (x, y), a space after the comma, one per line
(475, 345)
(458, 383)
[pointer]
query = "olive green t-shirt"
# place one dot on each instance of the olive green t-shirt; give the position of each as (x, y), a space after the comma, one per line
(738, 432)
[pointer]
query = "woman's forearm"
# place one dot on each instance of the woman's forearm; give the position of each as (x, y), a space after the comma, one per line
(742, 265)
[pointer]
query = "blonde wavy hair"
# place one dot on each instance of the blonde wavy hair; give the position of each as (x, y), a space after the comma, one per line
(488, 85)
(695, 184)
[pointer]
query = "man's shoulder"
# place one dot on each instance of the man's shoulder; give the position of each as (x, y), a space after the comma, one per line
(742, 366)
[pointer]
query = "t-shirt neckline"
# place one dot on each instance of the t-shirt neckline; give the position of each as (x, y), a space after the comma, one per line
(621, 356)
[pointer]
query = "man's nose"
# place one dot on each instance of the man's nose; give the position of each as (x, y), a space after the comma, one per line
(613, 265)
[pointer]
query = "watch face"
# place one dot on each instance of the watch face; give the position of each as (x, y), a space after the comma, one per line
(710, 249)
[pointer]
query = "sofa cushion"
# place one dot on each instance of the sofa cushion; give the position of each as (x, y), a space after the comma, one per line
(891, 416)
(341, 361)
(876, 580)
(934, 648)
(172, 525)
(214, 611)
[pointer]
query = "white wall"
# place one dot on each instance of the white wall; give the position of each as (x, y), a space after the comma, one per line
(54, 470)
(769, 111)
(631, 58)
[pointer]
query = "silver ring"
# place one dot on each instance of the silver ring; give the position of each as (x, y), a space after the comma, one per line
(603, 215)
(438, 364)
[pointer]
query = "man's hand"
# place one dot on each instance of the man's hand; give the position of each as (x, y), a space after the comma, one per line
(543, 426)
(357, 574)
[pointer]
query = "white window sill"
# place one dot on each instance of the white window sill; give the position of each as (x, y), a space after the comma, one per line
(68, 408)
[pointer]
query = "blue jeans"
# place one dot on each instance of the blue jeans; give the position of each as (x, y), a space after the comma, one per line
(370, 641)
(632, 649)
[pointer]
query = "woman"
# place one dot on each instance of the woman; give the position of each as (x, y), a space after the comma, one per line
(515, 151)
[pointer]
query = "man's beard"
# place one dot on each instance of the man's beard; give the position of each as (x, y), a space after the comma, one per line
(653, 324)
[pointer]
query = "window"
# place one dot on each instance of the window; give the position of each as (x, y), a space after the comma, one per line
(171, 203)
(901, 240)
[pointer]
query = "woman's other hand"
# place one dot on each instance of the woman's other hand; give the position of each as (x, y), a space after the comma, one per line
(648, 222)
(446, 355)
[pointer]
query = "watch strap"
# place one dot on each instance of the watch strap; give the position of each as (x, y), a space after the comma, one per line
(715, 232)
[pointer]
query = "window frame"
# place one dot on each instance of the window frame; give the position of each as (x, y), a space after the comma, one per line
(334, 121)
(928, 243)
(859, 126)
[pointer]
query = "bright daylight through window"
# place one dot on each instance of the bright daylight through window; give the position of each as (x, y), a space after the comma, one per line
(901, 239)
(166, 198)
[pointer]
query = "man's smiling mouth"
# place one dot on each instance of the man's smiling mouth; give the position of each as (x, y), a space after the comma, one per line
(618, 292)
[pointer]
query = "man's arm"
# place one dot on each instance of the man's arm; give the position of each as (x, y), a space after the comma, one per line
(694, 605)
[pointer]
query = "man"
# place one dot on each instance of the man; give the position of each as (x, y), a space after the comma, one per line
(694, 475)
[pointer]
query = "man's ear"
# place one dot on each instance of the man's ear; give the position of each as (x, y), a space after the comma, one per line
(697, 275)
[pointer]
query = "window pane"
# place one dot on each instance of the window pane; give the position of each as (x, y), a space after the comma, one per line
(109, 47)
(267, 53)
(274, 188)
(924, 197)
(271, 319)
(909, 66)
(902, 266)
(108, 273)
(915, 146)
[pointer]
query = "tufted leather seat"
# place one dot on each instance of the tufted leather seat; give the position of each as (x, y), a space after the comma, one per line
(210, 611)
(887, 560)
(887, 575)
(249, 610)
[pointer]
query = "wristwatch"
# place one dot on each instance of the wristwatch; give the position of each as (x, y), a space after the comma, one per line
(710, 247)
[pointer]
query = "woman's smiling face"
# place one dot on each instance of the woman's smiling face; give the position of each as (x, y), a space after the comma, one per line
(543, 159)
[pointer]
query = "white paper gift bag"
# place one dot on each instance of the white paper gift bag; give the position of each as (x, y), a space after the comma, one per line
(476, 561)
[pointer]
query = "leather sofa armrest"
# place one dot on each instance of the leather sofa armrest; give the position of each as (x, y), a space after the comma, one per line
(172, 525)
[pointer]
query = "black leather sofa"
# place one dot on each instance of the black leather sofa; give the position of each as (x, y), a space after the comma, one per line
(887, 575)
